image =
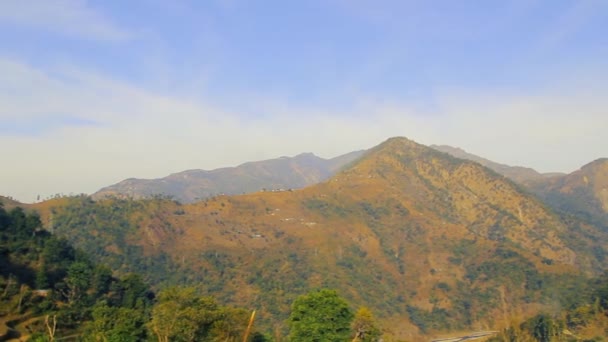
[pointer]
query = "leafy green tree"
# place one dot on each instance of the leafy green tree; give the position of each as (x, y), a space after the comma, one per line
(230, 325)
(115, 324)
(58, 251)
(320, 316)
(364, 326)
(42, 280)
(77, 281)
(31, 257)
(5, 220)
(181, 315)
(543, 328)
(602, 293)
(32, 223)
(131, 292)
(18, 220)
(259, 337)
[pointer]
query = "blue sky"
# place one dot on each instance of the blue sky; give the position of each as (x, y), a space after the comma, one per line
(93, 92)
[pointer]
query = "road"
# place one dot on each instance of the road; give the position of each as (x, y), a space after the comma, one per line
(467, 337)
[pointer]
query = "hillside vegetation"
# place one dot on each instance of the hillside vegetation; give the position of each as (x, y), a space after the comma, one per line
(582, 193)
(430, 241)
(50, 290)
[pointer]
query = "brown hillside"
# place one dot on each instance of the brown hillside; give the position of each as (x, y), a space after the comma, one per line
(436, 242)
(583, 192)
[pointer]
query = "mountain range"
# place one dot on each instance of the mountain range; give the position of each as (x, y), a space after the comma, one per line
(432, 239)
(274, 174)
(518, 174)
(582, 193)
(429, 241)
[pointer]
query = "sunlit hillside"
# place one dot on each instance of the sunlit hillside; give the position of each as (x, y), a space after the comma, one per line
(430, 241)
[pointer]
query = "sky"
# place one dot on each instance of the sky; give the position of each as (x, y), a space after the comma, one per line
(94, 92)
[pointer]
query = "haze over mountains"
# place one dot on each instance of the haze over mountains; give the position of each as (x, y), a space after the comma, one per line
(118, 123)
(425, 239)
(274, 174)
(518, 174)
(582, 192)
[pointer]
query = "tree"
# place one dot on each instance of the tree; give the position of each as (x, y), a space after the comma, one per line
(101, 280)
(182, 315)
(230, 324)
(259, 337)
(58, 252)
(77, 281)
(320, 316)
(364, 326)
(131, 292)
(42, 280)
(5, 220)
(115, 324)
(543, 328)
(602, 293)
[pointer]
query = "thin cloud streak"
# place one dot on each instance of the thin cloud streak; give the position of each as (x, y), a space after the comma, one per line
(137, 133)
(74, 18)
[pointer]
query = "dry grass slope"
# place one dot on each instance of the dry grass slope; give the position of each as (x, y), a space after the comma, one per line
(427, 240)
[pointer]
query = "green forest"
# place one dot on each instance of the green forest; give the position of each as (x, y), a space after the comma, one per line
(52, 291)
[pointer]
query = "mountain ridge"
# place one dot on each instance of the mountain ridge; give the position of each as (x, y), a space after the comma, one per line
(433, 241)
(272, 174)
(583, 192)
(519, 174)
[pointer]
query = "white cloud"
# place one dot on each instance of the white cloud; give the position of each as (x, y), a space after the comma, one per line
(141, 134)
(138, 133)
(70, 17)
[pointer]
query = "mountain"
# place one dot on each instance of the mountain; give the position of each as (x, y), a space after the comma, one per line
(428, 241)
(583, 193)
(189, 186)
(518, 174)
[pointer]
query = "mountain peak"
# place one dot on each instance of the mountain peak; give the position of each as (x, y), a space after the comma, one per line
(399, 142)
(397, 147)
(307, 155)
(595, 165)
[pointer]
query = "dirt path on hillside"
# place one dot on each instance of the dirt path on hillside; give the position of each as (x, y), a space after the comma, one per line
(16, 328)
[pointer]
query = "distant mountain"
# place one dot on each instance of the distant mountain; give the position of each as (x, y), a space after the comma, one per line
(518, 174)
(427, 240)
(274, 174)
(583, 192)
